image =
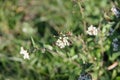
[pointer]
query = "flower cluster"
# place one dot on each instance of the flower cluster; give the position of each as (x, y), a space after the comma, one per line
(115, 44)
(92, 30)
(85, 76)
(62, 42)
(115, 11)
(25, 53)
(111, 31)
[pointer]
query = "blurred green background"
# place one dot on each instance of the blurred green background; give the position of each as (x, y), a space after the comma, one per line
(40, 20)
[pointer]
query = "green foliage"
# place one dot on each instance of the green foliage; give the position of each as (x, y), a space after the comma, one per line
(37, 24)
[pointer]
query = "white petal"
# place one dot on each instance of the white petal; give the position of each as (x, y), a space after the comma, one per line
(22, 51)
(26, 56)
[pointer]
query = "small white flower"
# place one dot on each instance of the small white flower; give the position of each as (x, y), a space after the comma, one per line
(111, 31)
(62, 42)
(25, 53)
(26, 56)
(115, 46)
(22, 51)
(92, 30)
(85, 76)
(115, 11)
(115, 40)
(65, 41)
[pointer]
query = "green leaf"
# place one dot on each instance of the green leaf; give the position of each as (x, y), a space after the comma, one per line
(114, 56)
(117, 78)
(33, 42)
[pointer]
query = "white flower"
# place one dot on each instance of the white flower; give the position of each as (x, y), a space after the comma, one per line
(115, 40)
(115, 11)
(22, 51)
(62, 42)
(26, 56)
(65, 41)
(85, 76)
(92, 30)
(25, 53)
(115, 44)
(111, 31)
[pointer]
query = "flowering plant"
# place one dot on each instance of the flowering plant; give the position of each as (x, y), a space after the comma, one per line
(60, 40)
